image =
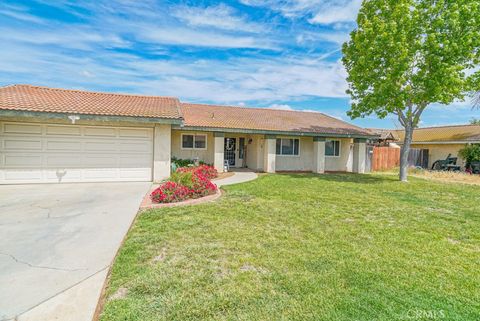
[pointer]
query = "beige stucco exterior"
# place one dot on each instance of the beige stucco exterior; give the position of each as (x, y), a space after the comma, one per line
(207, 155)
(161, 152)
(344, 162)
(311, 158)
(441, 151)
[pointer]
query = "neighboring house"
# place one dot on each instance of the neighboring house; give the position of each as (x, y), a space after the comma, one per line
(385, 137)
(58, 135)
(442, 141)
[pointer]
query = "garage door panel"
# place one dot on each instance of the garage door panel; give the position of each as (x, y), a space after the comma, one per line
(138, 133)
(15, 176)
(42, 153)
(139, 161)
(19, 128)
(132, 173)
(143, 147)
(63, 145)
(93, 146)
(63, 130)
(100, 174)
(21, 160)
(63, 160)
(63, 175)
(100, 161)
(22, 144)
(100, 131)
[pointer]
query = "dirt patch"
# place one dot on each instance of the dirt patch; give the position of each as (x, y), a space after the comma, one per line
(120, 294)
(448, 177)
(161, 257)
(251, 268)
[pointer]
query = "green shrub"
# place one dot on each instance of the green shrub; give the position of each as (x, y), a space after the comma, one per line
(181, 162)
(182, 178)
(470, 153)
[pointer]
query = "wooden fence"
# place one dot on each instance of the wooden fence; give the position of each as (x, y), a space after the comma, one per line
(385, 158)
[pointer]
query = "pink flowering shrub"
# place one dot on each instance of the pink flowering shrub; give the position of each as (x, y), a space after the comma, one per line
(170, 192)
(186, 183)
(207, 171)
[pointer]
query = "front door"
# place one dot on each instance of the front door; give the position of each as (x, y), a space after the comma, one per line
(230, 150)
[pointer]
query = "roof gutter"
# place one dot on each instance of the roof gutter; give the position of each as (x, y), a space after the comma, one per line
(454, 142)
(111, 118)
(272, 132)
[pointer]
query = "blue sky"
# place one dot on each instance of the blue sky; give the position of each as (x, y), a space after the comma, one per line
(266, 53)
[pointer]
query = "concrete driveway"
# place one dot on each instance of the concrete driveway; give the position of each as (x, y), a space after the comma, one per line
(57, 243)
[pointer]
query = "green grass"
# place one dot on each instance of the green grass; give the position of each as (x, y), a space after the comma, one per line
(306, 247)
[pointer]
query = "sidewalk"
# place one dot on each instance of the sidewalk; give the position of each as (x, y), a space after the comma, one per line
(240, 176)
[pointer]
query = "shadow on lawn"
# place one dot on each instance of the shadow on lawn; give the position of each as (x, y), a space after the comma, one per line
(344, 177)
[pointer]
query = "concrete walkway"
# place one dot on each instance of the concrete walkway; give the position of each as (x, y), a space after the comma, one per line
(58, 241)
(240, 176)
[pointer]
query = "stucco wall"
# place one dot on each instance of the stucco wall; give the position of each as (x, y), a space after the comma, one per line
(343, 162)
(441, 151)
(302, 162)
(204, 155)
(255, 152)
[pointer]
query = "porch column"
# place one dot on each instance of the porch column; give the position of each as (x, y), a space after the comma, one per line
(162, 141)
(318, 155)
(359, 155)
(218, 158)
(269, 153)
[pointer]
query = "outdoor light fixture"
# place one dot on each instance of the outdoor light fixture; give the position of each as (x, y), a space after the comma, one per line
(73, 118)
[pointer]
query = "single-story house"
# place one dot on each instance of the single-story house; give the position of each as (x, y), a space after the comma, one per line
(442, 141)
(60, 135)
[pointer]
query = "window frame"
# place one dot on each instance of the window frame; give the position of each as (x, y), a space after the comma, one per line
(193, 147)
(339, 148)
(287, 155)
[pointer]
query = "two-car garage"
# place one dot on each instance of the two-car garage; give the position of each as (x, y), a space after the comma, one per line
(47, 153)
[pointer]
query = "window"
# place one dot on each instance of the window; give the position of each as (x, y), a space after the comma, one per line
(332, 148)
(287, 146)
(194, 141)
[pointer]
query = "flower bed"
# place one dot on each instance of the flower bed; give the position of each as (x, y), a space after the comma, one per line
(186, 183)
(203, 170)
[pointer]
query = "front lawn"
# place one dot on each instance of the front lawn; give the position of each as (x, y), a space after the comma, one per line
(306, 247)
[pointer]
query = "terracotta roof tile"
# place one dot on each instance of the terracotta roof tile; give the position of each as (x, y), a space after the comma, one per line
(44, 99)
(213, 116)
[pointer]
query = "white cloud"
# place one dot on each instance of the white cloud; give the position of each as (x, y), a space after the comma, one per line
(336, 37)
(191, 37)
(333, 13)
(219, 17)
(79, 55)
(19, 13)
(320, 11)
(66, 37)
(280, 107)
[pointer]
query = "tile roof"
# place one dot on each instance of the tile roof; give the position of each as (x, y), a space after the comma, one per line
(458, 133)
(44, 99)
(263, 119)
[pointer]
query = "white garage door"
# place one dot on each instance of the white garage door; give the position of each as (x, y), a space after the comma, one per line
(45, 153)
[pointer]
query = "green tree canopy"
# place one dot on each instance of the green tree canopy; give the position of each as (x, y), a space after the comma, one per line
(407, 54)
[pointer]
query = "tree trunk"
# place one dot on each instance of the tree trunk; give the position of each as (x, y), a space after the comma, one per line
(404, 152)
